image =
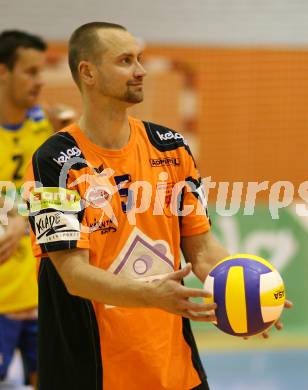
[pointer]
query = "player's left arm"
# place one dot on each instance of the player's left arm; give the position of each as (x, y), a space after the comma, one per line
(198, 244)
(203, 251)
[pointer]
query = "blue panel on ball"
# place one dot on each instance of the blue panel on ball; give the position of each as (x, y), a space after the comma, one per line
(252, 291)
(244, 262)
(220, 283)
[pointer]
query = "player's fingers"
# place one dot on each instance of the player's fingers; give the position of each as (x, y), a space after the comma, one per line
(279, 325)
(288, 304)
(203, 317)
(30, 314)
(7, 247)
(265, 335)
(5, 253)
(4, 257)
(16, 317)
(5, 238)
(195, 293)
(179, 275)
(195, 306)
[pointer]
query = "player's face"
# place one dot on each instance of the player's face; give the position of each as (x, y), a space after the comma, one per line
(120, 72)
(24, 81)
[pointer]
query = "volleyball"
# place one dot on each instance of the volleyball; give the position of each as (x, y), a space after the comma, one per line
(249, 293)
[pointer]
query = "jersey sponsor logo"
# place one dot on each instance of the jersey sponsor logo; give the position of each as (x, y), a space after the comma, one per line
(56, 226)
(99, 192)
(99, 169)
(65, 156)
(169, 136)
(103, 226)
(60, 199)
(163, 162)
(99, 196)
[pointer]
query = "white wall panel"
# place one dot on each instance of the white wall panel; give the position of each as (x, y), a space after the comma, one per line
(251, 22)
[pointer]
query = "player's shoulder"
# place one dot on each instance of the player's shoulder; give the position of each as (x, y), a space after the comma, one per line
(58, 155)
(163, 138)
(58, 148)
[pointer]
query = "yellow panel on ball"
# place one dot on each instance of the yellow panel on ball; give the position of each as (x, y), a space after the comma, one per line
(236, 300)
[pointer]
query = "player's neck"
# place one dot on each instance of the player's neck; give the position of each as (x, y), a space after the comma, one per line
(105, 126)
(10, 114)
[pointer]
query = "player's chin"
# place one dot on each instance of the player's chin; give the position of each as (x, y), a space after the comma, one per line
(139, 100)
(136, 97)
(31, 101)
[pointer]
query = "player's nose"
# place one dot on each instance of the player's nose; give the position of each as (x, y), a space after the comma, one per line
(140, 72)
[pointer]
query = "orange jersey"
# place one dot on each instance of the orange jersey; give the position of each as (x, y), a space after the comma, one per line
(130, 207)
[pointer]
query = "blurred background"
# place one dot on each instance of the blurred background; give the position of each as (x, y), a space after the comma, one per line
(232, 76)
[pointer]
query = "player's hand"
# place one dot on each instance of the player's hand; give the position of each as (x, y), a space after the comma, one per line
(9, 241)
(278, 323)
(168, 294)
(21, 315)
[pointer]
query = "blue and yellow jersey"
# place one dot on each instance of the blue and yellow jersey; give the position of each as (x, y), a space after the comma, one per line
(18, 285)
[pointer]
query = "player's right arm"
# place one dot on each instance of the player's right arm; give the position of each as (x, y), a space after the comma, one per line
(87, 281)
(11, 237)
(12, 233)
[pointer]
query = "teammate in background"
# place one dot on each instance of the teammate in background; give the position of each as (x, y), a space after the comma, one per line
(113, 313)
(23, 128)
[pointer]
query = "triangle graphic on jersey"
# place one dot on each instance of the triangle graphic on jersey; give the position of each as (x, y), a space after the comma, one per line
(143, 258)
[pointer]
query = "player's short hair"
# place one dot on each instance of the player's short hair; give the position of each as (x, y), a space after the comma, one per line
(84, 44)
(12, 40)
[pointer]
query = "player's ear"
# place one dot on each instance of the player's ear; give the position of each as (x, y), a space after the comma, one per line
(3, 72)
(86, 72)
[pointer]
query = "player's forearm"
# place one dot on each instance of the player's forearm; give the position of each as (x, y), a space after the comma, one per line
(203, 251)
(207, 259)
(101, 286)
(87, 281)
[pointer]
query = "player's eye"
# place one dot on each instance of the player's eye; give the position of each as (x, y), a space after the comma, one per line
(126, 60)
(32, 72)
